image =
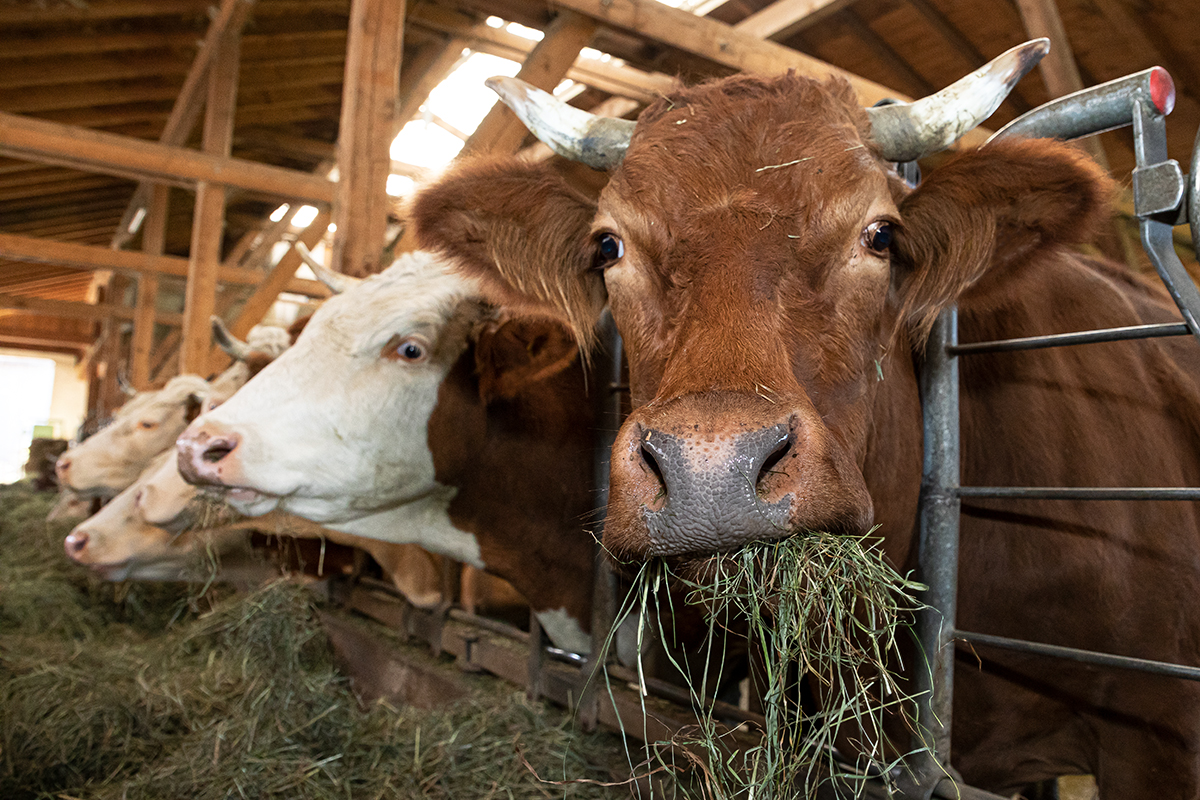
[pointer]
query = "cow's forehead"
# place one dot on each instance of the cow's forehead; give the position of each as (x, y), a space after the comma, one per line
(173, 394)
(419, 293)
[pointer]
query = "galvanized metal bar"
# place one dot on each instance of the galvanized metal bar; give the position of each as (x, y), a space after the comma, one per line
(1080, 493)
(938, 555)
(1093, 110)
(1083, 656)
(1075, 338)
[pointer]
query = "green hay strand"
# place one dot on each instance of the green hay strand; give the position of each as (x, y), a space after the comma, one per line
(820, 610)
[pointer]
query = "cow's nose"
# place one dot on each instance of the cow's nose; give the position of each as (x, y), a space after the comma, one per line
(75, 543)
(714, 493)
(202, 453)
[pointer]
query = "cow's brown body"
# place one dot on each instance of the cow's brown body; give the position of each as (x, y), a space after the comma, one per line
(755, 308)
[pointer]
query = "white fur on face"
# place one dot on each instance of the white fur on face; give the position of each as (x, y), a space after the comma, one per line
(145, 426)
(332, 430)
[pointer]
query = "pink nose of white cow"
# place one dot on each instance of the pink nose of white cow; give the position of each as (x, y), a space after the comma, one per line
(202, 455)
(75, 544)
(61, 467)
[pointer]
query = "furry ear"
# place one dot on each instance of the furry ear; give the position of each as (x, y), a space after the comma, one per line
(521, 229)
(989, 211)
(515, 353)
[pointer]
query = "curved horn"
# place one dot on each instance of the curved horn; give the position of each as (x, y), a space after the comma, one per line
(908, 131)
(235, 347)
(336, 281)
(124, 385)
(599, 142)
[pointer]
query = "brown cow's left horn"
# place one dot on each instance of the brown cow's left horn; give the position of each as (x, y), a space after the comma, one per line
(599, 142)
(908, 131)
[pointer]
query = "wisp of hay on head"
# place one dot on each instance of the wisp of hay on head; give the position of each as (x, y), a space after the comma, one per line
(822, 613)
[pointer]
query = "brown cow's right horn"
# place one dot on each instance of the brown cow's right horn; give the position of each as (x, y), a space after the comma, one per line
(235, 347)
(599, 142)
(336, 281)
(908, 131)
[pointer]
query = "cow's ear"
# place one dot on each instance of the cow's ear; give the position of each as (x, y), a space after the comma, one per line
(192, 405)
(988, 212)
(521, 229)
(512, 354)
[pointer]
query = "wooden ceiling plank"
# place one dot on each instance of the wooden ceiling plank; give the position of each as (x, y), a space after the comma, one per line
(785, 18)
(154, 229)
(98, 10)
(56, 70)
(1132, 29)
(124, 156)
(76, 256)
(370, 97)
(77, 310)
(879, 48)
(43, 99)
(208, 219)
(99, 44)
(545, 67)
(86, 183)
(190, 100)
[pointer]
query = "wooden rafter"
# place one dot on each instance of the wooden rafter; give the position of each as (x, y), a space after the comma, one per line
(545, 67)
(154, 229)
(784, 18)
(78, 310)
(879, 48)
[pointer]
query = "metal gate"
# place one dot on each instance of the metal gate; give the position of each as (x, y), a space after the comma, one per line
(1163, 198)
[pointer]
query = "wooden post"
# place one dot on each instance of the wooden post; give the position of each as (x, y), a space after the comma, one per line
(154, 229)
(370, 99)
(547, 64)
(208, 224)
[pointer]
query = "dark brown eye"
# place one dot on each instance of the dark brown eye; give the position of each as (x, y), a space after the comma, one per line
(609, 250)
(147, 426)
(411, 349)
(877, 236)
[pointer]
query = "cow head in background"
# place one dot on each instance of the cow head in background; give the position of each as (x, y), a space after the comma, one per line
(110, 460)
(769, 273)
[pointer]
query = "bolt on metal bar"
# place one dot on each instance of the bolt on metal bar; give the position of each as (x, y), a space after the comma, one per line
(1075, 338)
(1083, 656)
(1081, 493)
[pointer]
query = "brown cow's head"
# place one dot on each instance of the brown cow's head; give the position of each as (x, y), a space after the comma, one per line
(768, 272)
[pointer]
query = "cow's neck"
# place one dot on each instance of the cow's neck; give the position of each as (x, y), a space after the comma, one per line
(523, 470)
(425, 522)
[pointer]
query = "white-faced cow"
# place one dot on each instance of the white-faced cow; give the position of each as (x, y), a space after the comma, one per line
(409, 411)
(774, 282)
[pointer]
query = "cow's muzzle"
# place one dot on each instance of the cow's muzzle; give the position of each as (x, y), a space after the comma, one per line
(205, 456)
(688, 481)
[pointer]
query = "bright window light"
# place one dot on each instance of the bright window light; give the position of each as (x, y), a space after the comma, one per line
(495, 22)
(279, 213)
(304, 216)
(533, 34)
(462, 99)
(21, 410)
(400, 185)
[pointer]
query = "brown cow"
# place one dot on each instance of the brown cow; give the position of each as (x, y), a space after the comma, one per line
(774, 282)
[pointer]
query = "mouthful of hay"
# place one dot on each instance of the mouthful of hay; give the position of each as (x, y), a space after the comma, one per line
(821, 614)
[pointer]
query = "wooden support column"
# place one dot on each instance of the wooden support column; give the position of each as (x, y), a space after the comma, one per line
(370, 99)
(153, 235)
(208, 224)
(188, 104)
(1061, 76)
(546, 66)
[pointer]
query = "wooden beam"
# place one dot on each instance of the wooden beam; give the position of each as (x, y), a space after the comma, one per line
(785, 18)
(154, 231)
(1059, 70)
(266, 293)
(190, 100)
(127, 157)
(73, 309)
(59, 46)
(370, 96)
(56, 70)
(208, 223)
(500, 131)
(88, 257)
(93, 12)
(879, 48)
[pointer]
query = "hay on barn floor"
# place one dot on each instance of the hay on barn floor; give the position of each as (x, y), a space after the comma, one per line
(823, 612)
(147, 692)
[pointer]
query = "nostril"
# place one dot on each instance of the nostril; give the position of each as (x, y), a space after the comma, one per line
(650, 459)
(62, 465)
(75, 543)
(782, 448)
(218, 449)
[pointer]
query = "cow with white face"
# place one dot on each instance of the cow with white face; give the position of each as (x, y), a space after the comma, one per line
(409, 411)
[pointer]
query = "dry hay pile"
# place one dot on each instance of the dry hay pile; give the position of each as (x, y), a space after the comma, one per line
(144, 692)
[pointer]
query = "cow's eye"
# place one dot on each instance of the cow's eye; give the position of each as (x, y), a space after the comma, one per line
(877, 236)
(410, 349)
(147, 426)
(609, 250)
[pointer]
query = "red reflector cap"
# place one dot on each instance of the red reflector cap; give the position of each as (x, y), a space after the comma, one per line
(1162, 90)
